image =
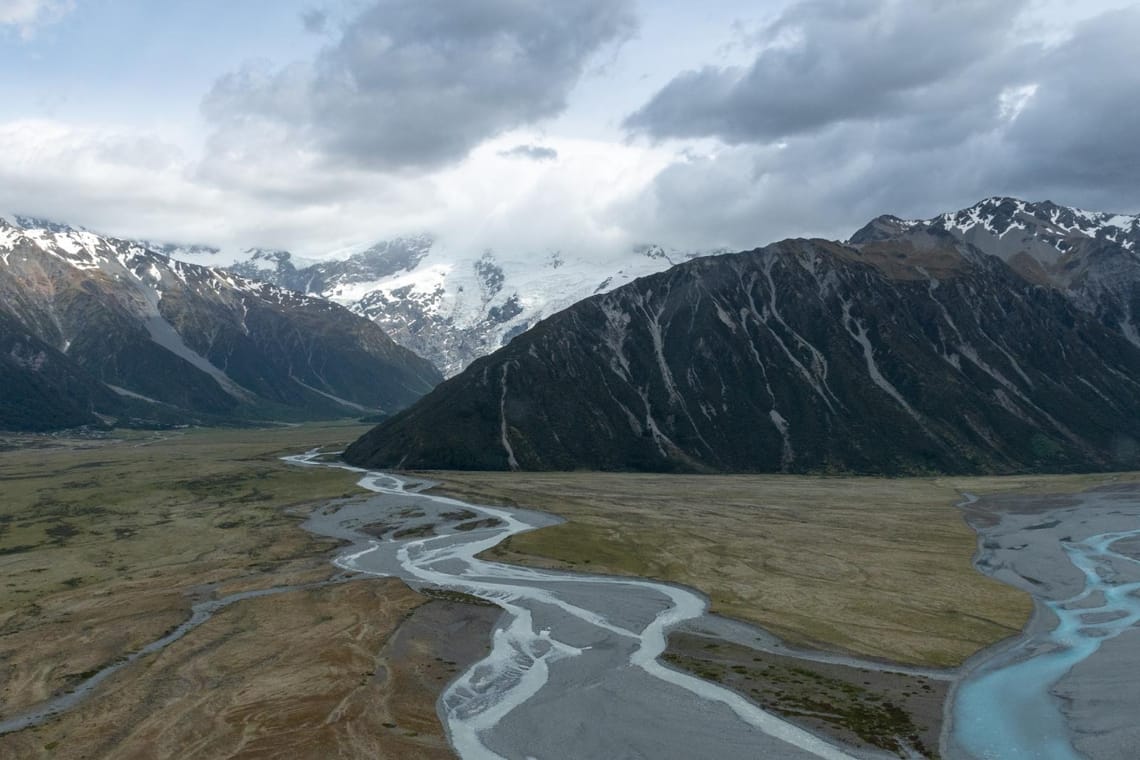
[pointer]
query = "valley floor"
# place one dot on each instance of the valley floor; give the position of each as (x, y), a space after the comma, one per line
(880, 568)
(106, 543)
(849, 571)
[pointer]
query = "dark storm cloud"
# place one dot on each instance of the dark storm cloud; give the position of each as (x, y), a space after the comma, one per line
(1081, 129)
(532, 152)
(853, 109)
(825, 62)
(419, 83)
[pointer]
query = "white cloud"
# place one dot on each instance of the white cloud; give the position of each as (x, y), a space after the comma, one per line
(1039, 119)
(1013, 100)
(121, 180)
(26, 15)
(418, 84)
(133, 184)
(495, 202)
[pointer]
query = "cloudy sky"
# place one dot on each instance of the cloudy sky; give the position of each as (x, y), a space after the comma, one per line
(533, 125)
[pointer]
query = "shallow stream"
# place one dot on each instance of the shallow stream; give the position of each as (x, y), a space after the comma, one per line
(1088, 594)
(573, 670)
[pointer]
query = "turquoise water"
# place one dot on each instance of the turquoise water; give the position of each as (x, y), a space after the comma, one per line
(1009, 713)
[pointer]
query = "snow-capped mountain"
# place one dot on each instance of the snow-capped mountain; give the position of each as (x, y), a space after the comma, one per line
(1060, 228)
(1040, 239)
(452, 306)
(994, 339)
(92, 325)
(1094, 257)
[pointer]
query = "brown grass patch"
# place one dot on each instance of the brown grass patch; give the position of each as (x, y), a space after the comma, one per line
(307, 674)
(877, 567)
(105, 542)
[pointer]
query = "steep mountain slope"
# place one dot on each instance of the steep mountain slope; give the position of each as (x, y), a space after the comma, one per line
(123, 327)
(887, 356)
(42, 388)
(448, 305)
(1094, 257)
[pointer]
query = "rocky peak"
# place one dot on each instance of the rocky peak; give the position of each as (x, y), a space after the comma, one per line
(1060, 227)
(884, 227)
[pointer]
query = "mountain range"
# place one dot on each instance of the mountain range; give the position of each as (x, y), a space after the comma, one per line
(95, 330)
(1002, 337)
(447, 304)
(998, 338)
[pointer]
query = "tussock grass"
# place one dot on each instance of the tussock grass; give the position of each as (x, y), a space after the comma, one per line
(101, 541)
(878, 567)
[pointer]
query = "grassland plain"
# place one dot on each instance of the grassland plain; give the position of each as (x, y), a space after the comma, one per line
(105, 544)
(870, 566)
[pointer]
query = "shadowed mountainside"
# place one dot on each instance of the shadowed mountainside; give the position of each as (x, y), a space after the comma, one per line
(95, 328)
(889, 355)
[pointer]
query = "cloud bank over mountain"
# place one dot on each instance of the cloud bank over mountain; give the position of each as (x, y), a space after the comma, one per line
(881, 104)
(595, 124)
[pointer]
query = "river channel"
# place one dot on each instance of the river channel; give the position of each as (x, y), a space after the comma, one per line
(1065, 690)
(573, 670)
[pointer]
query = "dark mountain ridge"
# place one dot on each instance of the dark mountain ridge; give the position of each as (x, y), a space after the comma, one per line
(910, 349)
(96, 328)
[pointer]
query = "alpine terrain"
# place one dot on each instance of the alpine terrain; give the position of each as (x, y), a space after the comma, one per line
(94, 329)
(445, 304)
(999, 338)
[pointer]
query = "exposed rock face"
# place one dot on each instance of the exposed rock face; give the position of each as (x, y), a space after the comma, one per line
(97, 326)
(909, 350)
